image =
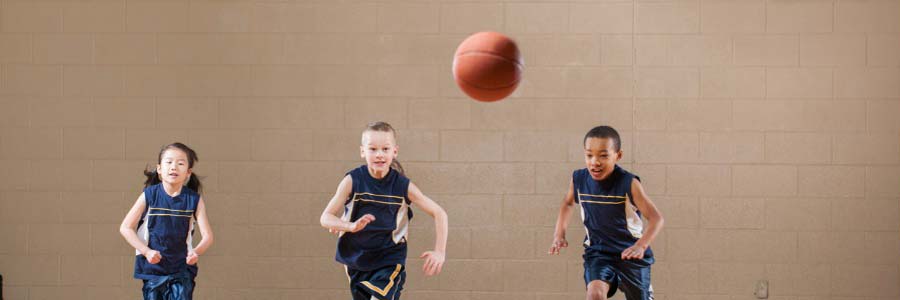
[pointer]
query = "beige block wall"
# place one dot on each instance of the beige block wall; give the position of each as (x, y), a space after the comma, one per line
(768, 133)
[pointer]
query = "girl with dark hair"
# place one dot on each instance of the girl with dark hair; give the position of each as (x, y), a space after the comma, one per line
(165, 215)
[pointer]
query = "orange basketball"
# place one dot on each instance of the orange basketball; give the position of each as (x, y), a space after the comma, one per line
(487, 66)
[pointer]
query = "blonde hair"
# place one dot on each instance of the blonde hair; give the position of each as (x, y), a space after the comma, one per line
(384, 127)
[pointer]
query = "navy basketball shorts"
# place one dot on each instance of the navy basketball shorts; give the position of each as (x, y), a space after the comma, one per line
(631, 276)
(172, 287)
(384, 283)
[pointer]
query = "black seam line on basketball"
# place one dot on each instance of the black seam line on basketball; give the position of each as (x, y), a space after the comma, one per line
(514, 83)
(494, 54)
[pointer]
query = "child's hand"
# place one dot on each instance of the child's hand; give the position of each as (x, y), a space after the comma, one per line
(434, 261)
(633, 252)
(153, 256)
(192, 258)
(558, 244)
(362, 222)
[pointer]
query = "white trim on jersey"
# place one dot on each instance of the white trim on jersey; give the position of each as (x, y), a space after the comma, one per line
(190, 236)
(399, 233)
(587, 232)
(633, 220)
(143, 234)
(348, 211)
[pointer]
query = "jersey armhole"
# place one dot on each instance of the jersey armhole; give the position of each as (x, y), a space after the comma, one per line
(628, 190)
(406, 184)
(353, 188)
(196, 208)
(146, 209)
(148, 193)
(575, 186)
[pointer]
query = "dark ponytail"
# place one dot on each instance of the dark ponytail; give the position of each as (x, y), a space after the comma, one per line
(385, 127)
(193, 182)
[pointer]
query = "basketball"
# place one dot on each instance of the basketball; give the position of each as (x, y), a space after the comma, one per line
(487, 66)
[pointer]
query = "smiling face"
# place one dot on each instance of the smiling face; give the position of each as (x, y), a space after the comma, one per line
(174, 167)
(379, 148)
(600, 156)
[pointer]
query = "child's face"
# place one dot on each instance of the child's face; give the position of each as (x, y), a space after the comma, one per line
(173, 167)
(379, 149)
(600, 157)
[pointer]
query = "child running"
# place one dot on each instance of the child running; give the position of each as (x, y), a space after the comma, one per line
(617, 251)
(164, 216)
(371, 212)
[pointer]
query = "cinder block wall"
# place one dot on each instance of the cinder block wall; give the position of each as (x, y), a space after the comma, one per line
(768, 132)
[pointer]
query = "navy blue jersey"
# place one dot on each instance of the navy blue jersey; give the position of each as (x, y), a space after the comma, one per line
(167, 226)
(612, 221)
(383, 241)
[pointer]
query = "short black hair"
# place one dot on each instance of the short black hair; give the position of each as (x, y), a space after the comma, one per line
(605, 132)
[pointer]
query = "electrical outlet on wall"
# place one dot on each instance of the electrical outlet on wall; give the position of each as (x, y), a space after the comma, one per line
(762, 289)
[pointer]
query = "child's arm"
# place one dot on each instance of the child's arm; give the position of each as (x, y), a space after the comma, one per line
(205, 232)
(559, 235)
(434, 260)
(654, 218)
(127, 230)
(330, 218)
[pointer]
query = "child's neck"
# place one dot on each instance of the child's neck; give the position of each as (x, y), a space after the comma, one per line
(376, 175)
(172, 189)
